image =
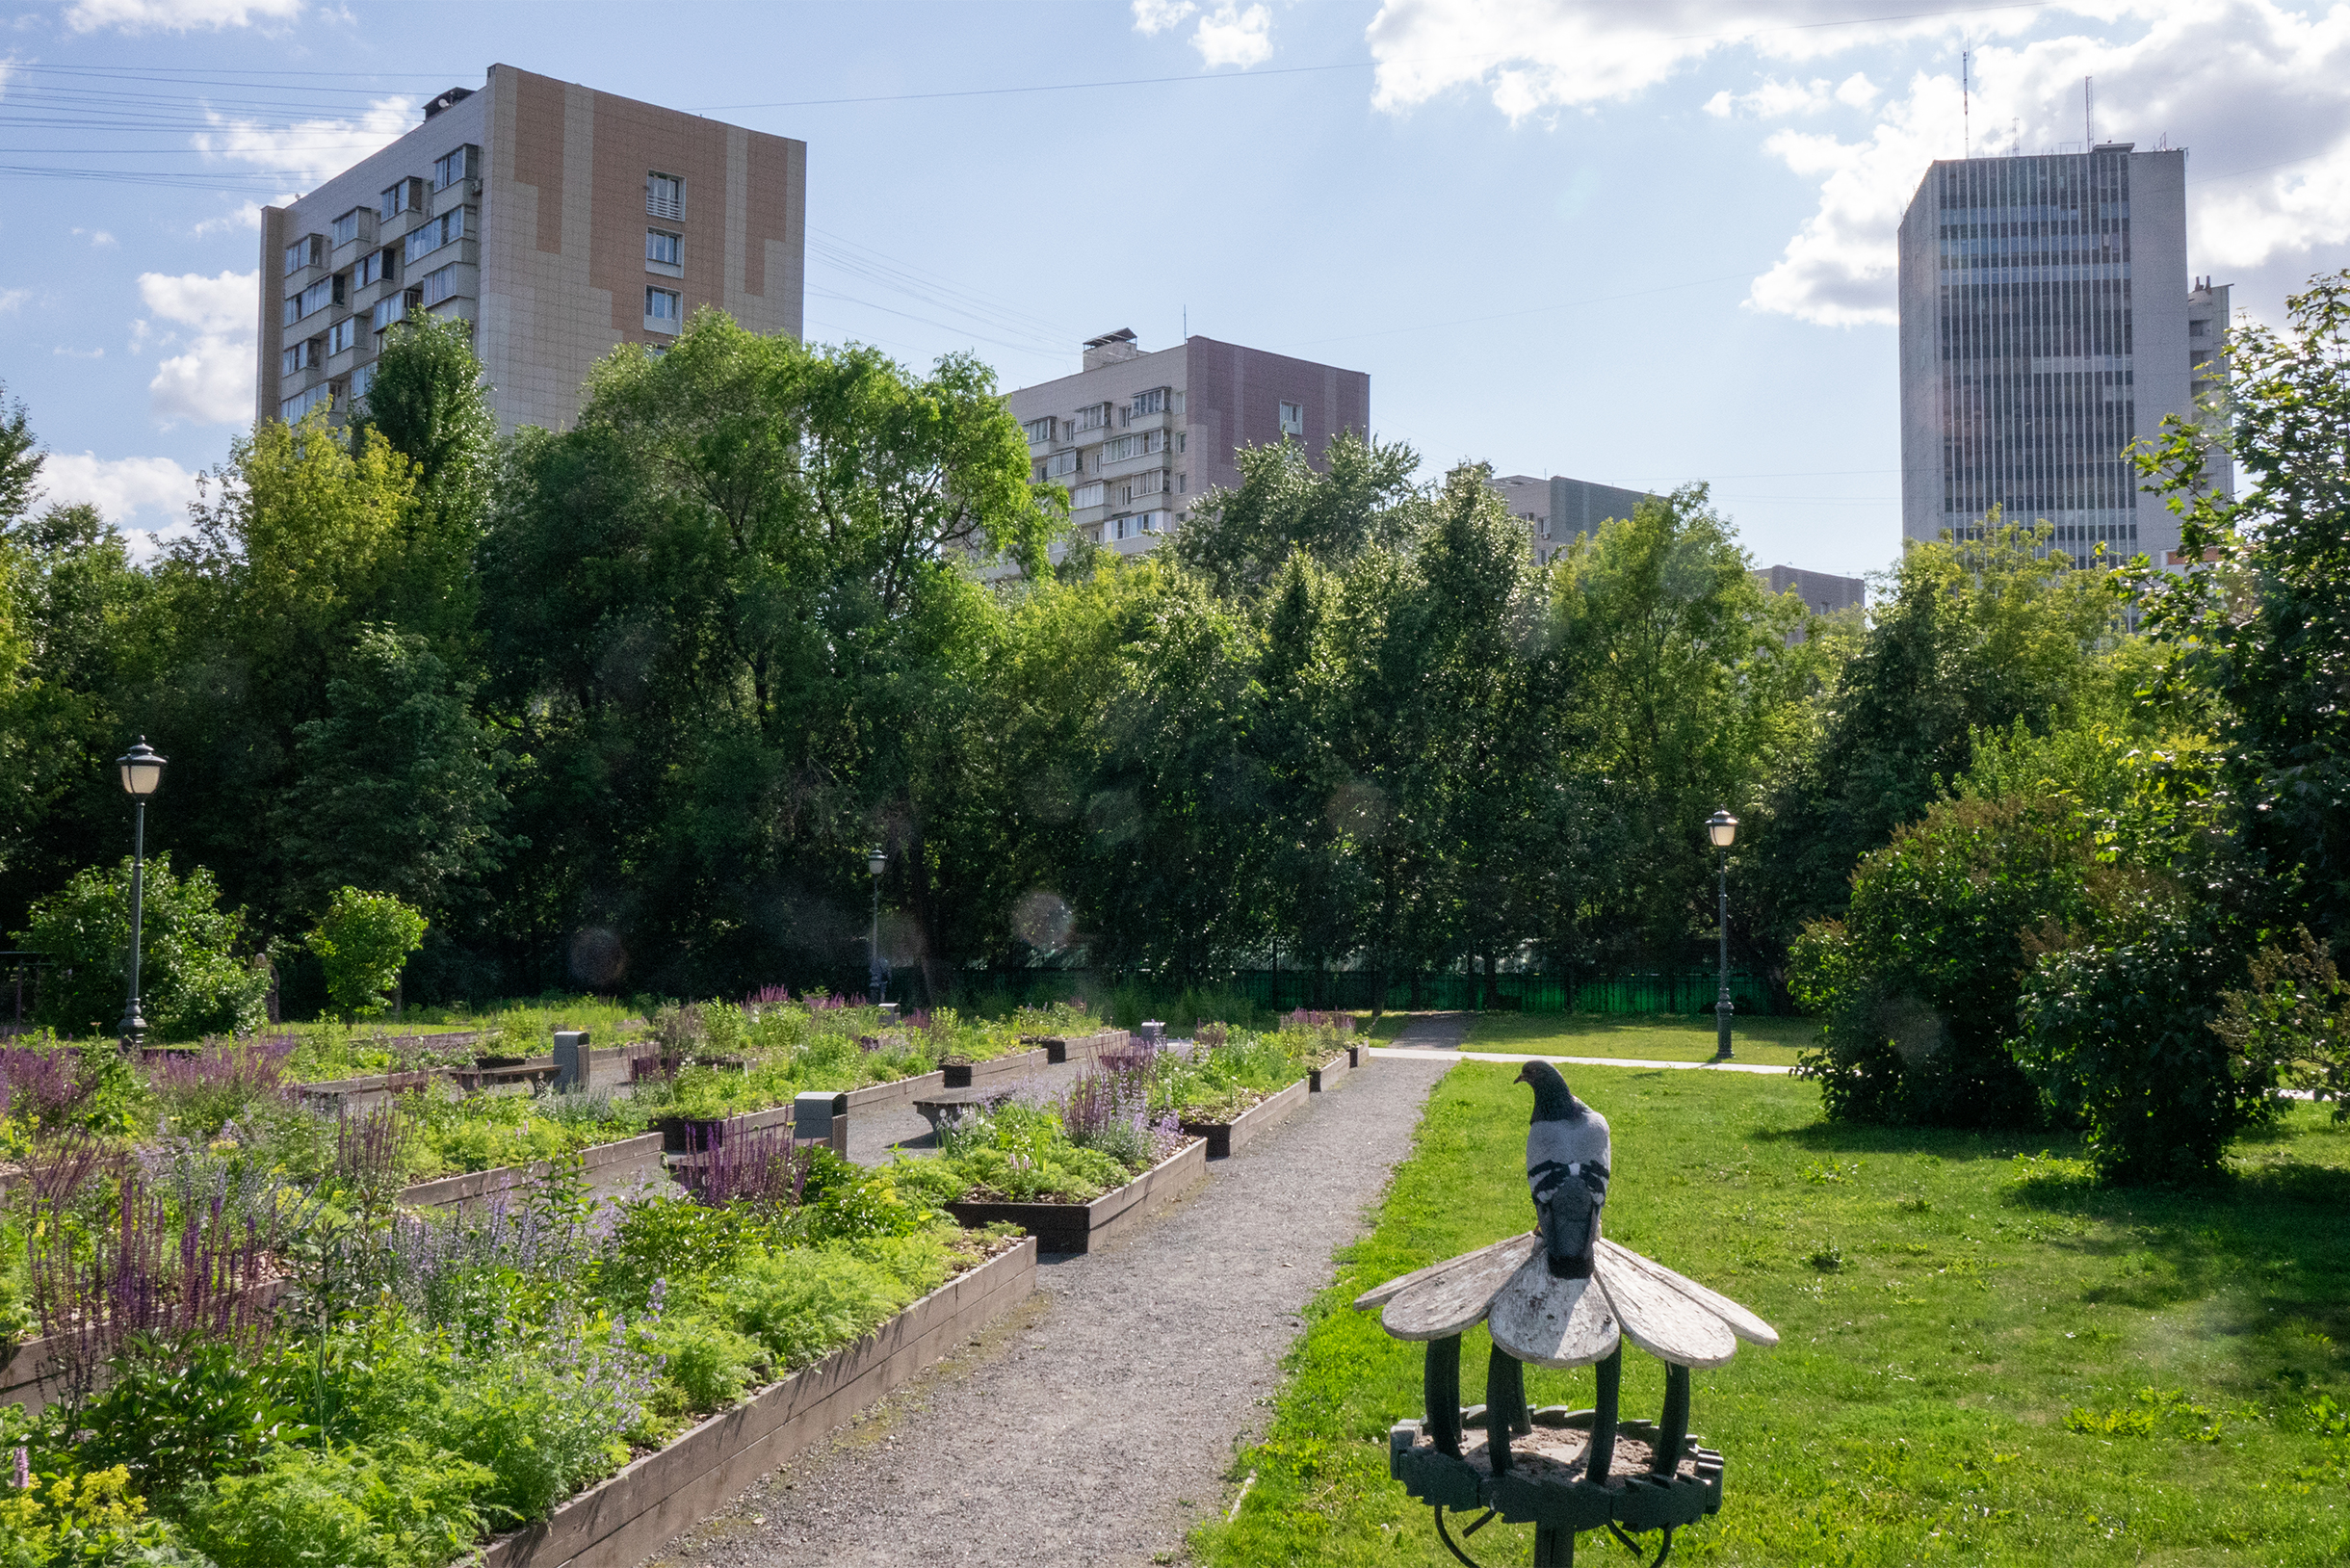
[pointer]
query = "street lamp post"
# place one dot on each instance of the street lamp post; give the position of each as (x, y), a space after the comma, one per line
(1721, 829)
(877, 860)
(142, 776)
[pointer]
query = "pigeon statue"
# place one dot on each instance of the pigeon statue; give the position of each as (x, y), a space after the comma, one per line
(1566, 1168)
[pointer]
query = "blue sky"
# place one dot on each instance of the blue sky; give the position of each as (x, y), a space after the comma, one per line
(1638, 245)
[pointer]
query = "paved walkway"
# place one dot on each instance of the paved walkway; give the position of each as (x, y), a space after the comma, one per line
(1096, 1425)
(1577, 1061)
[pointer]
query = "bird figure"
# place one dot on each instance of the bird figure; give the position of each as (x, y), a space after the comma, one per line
(1566, 1168)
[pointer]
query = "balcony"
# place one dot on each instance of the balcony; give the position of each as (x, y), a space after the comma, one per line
(457, 194)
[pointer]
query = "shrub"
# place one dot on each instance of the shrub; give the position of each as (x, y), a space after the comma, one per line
(397, 1504)
(2291, 1025)
(363, 942)
(224, 1080)
(192, 982)
(801, 1303)
(545, 1417)
(2117, 1035)
(1919, 988)
(707, 1365)
(171, 1421)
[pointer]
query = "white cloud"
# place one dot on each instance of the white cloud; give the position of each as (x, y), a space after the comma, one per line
(247, 216)
(308, 149)
(99, 239)
(151, 491)
(1774, 100)
(11, 298)
(78, 354)
(1230, 36)
(2248, 85)
(1155, 16)
(1856, 89)
(210, 380)
(1532, 55)
(176, 16)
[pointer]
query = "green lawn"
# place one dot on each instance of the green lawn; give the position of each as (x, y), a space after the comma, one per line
(1985, 1360)
(1650, 1036)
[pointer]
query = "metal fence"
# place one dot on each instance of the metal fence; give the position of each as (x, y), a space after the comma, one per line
(1687, 990)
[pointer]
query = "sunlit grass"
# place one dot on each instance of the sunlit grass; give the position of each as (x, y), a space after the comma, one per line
(1947, 1301)
(1771, 1042)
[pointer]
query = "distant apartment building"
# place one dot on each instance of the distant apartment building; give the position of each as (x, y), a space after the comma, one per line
(1823, 593)
(557, 219)
(1136, 437)
(2047, 324)
(1558, 510)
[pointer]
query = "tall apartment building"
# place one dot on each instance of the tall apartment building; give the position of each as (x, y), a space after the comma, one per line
(1136, 435)
(1559, 511)
(557, 219)
(2047, 324)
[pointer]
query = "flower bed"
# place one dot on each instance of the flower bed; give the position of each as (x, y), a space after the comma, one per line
(1222, 1138)
(263, 1374)
(1078, 1227)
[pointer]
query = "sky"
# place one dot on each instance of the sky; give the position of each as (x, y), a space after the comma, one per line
(1644, 244)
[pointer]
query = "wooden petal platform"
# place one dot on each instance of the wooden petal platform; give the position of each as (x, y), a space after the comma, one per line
(1552, 1322)
(1449, 1301)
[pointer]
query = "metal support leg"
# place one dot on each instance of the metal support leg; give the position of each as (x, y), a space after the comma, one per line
(1506, 1409)
(1441, 1383)
(1674, 1424)
(1603, 1419)
(1554, 1547)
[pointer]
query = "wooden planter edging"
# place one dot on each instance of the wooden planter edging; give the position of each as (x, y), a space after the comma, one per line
(29, 1375)
(1326, 1077)
(1079, 1228)
(620, 1523)
(1224, 1136)
(606, 1164)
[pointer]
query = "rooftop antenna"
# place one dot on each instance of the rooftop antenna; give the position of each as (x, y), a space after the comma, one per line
(1965, 100)
(2088, 111)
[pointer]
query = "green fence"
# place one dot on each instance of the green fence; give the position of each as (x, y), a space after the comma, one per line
(1661, 990)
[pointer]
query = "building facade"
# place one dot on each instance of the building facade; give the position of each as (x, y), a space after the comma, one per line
(1136, 435)
(558, 220)
(1823, 593)
(1559, 511)
(2047, 324)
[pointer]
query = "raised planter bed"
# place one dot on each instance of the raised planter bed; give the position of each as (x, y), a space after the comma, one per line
(1080, 1227)
(1224, 1136)
(1325, 1077)
(609, 1168)
(622, 1521)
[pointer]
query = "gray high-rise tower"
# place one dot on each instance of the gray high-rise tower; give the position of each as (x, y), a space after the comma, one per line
(2045, 324)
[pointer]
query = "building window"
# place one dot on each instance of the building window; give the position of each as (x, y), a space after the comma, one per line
(295, 408)
(1085, 495)
(664, 310)
(1180, 481)
(449, 227)
(1039, 432)
(1181, 437)
(347, 226)
(439, 285)
(301, 356)
(362, 378)
(310, 250)
(461, 164)
(1150, 481)
(664, 195)
(1293, 419)
(1064, 462)
(664, 253)
(406, 196)
(326, 291)
(393, 308)
(342, 335)
(1147, 403)
(1119, 448)
(375, 267)
(1091, 418)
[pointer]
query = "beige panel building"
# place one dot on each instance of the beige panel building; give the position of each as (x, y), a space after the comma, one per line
(1136, 435)
(558, 220)
(1558, 510)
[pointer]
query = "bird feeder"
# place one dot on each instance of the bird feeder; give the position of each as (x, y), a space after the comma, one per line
(1561, 1471)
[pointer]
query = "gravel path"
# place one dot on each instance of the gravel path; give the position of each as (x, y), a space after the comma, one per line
(1435, 1030)
(1095, 1425)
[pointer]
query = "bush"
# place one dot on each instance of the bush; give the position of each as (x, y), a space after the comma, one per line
(399, 1505)
(175, 1420)
(706, 1364)
(1916, 990)
(2292, 1023)
(803, 1302)
(192, 982)
(2117, 1035)
(363, 942)
(545, 1419)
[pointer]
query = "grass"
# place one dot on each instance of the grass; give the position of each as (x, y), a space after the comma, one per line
(1986, 1359)
(1771, 1042)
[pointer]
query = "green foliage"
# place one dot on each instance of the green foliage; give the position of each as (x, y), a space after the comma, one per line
(2262, 632)
(1359, 494)
(172, 1417)
(2290, 1025)
(397, 790)
(1918, 988)
(364, 940)
(394, 1505)
(543, 1425)
(799, 1303)
(78, 1519)
(191, 980)
(707, 1366)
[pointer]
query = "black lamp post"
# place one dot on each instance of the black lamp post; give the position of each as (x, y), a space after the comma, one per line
(141, 777)
(1721, 829)
(877, 860)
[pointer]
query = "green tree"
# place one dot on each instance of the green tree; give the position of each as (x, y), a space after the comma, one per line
(2262, 629)
(430, 405)
(20, 457)
(1973, 636)
(193, 979)
(364, 941)
(1362, 495)
(395, 786)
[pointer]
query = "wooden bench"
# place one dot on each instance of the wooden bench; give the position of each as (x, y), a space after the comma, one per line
(946, 1107)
